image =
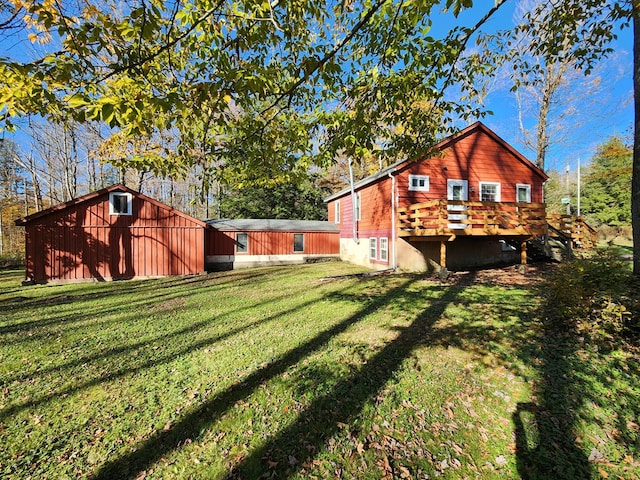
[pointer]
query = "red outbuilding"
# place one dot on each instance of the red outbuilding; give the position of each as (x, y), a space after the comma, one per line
(114, 233)
(233, 244)
(117, 233)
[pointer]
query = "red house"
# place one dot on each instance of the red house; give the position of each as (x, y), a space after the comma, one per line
(474, 203)
(114, 233)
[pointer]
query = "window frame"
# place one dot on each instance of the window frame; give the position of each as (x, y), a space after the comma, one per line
(238, 243)
(497, 194)
(384, 251)
(129, 199)
(336, 212)
(527, 188)
(373, 248)
(358, 207)
(298, 235)
(418, 188)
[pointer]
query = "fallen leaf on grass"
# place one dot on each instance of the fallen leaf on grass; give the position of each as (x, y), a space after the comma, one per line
(595, 455)
(404, 472)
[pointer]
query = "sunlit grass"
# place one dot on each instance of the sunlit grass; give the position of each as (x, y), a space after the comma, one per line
(280, 372)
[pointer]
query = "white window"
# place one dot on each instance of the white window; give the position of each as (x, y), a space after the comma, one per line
(384, 249)
(523, 193)
(120, 203)
(298, 242)
(242, 243)
(489, 192)
(337, 211)
(373, 248)
(358, 207)
(419, 183)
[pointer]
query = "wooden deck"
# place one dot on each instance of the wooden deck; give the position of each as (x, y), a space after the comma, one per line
(572, 228)
(451, 218)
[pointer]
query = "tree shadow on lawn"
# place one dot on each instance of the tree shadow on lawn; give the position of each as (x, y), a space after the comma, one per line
(162, 339)
(545, 428)
(545, 431)
(133, 293)
(319, 421)
(135, 363)
(547, 441)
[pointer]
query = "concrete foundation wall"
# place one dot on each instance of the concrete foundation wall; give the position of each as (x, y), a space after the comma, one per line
(412, 258)
(358, 253)
(462, 254)
(215, 263)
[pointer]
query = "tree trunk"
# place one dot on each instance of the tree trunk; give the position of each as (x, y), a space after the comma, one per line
(635, 180)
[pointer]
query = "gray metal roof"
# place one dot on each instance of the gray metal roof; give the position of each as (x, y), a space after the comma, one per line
(242, 224)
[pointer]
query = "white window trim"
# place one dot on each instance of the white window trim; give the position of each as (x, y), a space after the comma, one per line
(337, 212)
(294, 243)
(425, 188)
(525, 186)
(358, 212)
(373, 248)
(129, 198)
(384, 250)
(237, 242)
(498, 190)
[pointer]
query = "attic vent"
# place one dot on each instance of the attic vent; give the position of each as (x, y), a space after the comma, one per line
(120, 203)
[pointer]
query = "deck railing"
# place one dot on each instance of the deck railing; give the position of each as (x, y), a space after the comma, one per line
(452, 217)
(572, 228)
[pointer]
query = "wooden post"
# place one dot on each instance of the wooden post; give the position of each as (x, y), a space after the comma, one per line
(443, 254)
(523, 253)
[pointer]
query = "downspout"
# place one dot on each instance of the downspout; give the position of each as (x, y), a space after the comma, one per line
(394, 262)
(353, 204)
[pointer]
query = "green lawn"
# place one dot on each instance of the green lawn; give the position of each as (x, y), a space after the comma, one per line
(277, 373)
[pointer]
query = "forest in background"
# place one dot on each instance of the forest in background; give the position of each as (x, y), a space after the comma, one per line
(72, 161)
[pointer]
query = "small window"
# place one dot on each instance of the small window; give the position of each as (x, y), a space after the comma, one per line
(373, 248)
(489, 192)
(337, 211)
(242, 243)
(358, 206)
(298, 242)
(120, 203)
(523, 193)
(419, 183)
(384, 249)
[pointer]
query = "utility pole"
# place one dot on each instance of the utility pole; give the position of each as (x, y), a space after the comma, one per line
(578, 212)
(566, 176)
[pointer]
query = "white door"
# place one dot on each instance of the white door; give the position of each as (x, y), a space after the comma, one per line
(457, 190)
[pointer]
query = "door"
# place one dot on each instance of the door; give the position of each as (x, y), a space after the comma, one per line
(457, 190)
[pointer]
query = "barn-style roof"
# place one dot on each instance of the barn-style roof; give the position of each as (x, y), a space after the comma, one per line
(90, 196)
(478, 126)
(273, 225)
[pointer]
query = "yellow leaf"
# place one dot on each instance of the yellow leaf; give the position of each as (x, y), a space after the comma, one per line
(602, 473)
(227, 98)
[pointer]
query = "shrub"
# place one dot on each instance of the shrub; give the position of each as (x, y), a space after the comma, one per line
(593, 297)
(12, 260)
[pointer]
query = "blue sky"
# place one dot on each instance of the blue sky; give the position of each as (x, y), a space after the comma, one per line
(610, 113)
(598, 117)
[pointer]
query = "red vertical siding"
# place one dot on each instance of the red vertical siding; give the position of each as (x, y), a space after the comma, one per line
(269, 242)
(82, 241)
(476, 156)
